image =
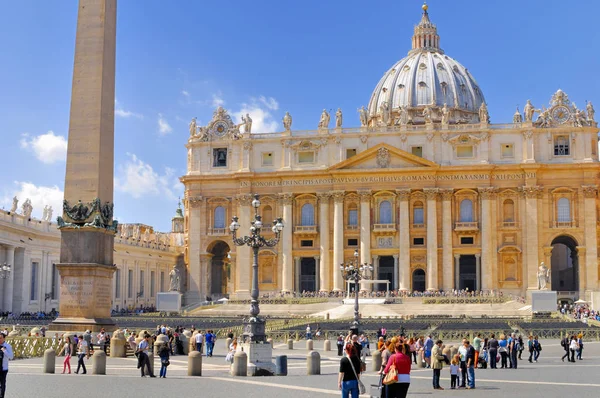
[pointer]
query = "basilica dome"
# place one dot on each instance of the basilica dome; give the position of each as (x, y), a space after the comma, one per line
(425, 78)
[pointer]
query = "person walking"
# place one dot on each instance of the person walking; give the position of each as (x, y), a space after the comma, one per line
(493, 351)
(462, 351)
(580, 343)
(163, 353)
(102, 340)
(401, 361)
(340, 345)
(437, 364)
(143, 360)
(477, 346)
(67, 350)
(521, 346)
(7, 354)
(537, 347)
(530, 348)
(349, 373)
(427, 347)
(573, 346)
(565, 345)
(83, 350)
(514, 351)
(209, 339)
(470, 364)
(199, 338)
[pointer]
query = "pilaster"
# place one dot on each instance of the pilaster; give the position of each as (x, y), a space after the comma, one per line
(488, 198)
(447, 246)
(324, 234)
(287, 281)
(432, 245)
(403, 257)
(590, 194)
(365, 226)
(244, 255)
(531, 234)
(338, 239)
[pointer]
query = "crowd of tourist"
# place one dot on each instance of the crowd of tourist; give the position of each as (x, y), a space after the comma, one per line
(581, 312)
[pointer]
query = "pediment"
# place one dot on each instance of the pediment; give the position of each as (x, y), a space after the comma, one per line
(383, 156)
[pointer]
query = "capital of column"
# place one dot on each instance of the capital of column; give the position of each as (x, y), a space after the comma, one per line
(580, 250)
(403, 194)
(338, 196)
(365, 196)
(487, 192)
(431, 193)
(457, 256)
(193, 201)
(590, 191)
(324, 196)
(527, 134)
(477, 255)
(548, 250)
(244, 199)
(375, 257)
(446, 193)
(396, 256)
(317, 258)
(286, 198)
(532, 191)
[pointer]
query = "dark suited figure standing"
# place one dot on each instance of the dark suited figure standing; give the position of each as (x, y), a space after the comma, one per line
(493, 351)
(565, 345)
(6, 354)
(437, 363)
(514, 348)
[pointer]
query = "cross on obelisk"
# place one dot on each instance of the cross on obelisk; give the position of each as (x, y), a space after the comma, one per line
(87, 228)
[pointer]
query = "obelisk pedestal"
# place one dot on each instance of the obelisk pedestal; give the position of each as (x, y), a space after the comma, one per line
(87, 227)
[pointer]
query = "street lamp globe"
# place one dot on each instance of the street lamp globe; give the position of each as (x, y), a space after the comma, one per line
(256, 202)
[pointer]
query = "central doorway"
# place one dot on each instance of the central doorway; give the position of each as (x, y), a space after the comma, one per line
(564, 265)
(308, 274)
(467, 274)
(418, 280)
(386, 273)
(218, 269)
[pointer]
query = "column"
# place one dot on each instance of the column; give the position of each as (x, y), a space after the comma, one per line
(324, 231)
(432, 245)
(365, 226)
(447, 244)
(580, 252)
(402, 268)
(297, 274)
(287, 278)
(457, 271)
(487, 251)
(528, 150)
(195, 240)
(531, 256)
(590, 193)
(375, 275)
(9, 282)
(243, 278)
(287, 155)
(395, 281)
(317, 272)
(478, 272)
(338, 239)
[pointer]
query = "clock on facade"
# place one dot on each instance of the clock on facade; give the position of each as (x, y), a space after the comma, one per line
(561, 114)
(220, 128)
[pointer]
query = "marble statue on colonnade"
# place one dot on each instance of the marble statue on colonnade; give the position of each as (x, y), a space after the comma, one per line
(543, 277)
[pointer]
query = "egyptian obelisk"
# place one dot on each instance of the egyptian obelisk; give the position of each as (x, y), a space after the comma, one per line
(87, 228)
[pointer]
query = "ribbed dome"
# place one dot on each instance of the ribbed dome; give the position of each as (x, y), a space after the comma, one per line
(427, 78)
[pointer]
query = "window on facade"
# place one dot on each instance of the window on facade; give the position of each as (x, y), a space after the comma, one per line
(508, 210)
(352, 215)
(464, 151)
(118, 283)
(350, 153)
(352, 242)
(162, 281)
(130, 284)
(152, 283)
(418, 241)
(307, 215)
(561, 146)
(306, 243)
(55, 287)
(33, 295)
(508, 151)
(267, 159)
(220, 157)
(219, 217)
(267, 216)
(417, 151)
(563, 210)
(466, 240)
(466, 210)
(385, 212)
(418, 213)
(306, 157)
(141, 283)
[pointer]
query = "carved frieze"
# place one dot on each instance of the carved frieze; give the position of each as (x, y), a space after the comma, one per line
(487, 192)
(365, 196)
(532, 191)
(403, 194)
(590, 191)
(286, 198)
(338, 196)
(431, 193)
(383, 157)
(244, 199)
(446, 193)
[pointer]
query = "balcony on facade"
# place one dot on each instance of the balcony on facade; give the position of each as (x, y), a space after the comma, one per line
(306, 230)
(509, 224)
(466, 226)
(418, 226)
(352, 229)
(563, 224)
(384, 228)
(218, 231)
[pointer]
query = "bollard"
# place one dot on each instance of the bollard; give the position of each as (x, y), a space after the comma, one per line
(446, 352)
(240, 364)
(49, 360)
(309, 345)
(297, 336)
(313, 363)
(453, 350)
(118, 345)
(99, 363)
(281, 365)
(160, 341)
(326, 345)
(270, 341)
(290, 344)
(376, 358)
(228, 343)
(194, 364)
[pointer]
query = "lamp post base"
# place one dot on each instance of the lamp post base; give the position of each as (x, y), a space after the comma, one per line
(254, 330)
(259, 358)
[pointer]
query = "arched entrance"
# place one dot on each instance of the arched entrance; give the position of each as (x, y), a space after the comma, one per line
(467, 273)
(418, 280)
(219, 269)
(564, 264)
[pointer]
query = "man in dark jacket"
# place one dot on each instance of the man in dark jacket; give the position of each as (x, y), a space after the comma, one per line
(493, 351)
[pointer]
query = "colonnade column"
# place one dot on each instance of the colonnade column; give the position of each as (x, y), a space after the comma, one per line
(457, 271)
(243, 258)
(487, 251)
(297, 265)
(365, 226)
(8, 282)
(287, 279)
(402, 260)
(432, 245)
(324, 266)
(447, 244)
(590, 192)
(477, 272)
(338, 239)
(531, 257)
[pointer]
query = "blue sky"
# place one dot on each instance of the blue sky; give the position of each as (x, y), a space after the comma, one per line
(180, 60)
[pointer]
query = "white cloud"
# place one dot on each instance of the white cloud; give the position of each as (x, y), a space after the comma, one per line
(259, 111)
(138, 178)
(48, 148)
(217, 100)
(164, 127)
(40, 196)
(119, 111)
(185, 93)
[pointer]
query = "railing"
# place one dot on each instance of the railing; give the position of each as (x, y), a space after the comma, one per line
(510, 224)
(564, 224)
(384, 227)
(466, 226)
(28, 347)
(217, 231)
(305, 229)
(418, 226)
(351, 227)
(465, 300)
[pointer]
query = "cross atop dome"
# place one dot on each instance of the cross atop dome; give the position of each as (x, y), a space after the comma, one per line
(425, 36)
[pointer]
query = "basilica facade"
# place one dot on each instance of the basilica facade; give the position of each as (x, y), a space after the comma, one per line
(426, 188)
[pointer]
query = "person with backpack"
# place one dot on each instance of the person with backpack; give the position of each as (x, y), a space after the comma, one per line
(521, 346)
(537, 348)
(565, 345)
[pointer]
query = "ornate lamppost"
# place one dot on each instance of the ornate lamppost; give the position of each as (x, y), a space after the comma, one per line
(254, 327)
(354, 271)
(5, 271)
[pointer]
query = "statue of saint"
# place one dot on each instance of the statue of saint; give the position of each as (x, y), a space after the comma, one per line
(385, 113)
(287, 121)
(543, 276)
(325, 118)
(193, 127)
(175, 283)
(362, 113)
(427, 114)
(580, 119)
(247, 123)
(543, 118)
(45, 213)
(528, 110)
(445, 114)
(14, 205)
(590, 111)
(403, 116)
(484, 116)
(517, 118)
(49, 215)
(338, 118)
(27, 208)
